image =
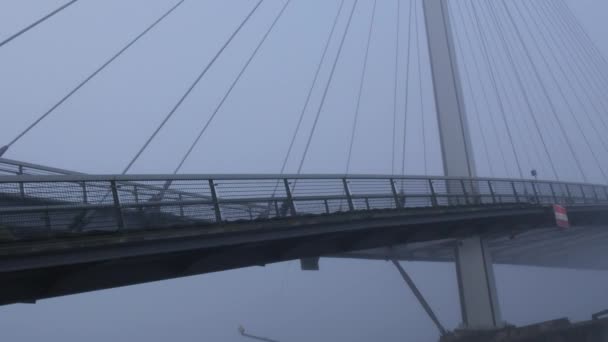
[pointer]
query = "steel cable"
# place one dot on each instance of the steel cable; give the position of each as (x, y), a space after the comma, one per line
(477, 63)
(191, 88)
(234, 83)
(90, 77)
(37, 22)
(363, 73)
(563, 95)
(310, 90)
(325, 92)
(543, 87)
(499, 97)
(521, 85)
(467, 80)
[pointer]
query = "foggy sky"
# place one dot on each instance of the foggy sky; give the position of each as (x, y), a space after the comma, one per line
(102, 127)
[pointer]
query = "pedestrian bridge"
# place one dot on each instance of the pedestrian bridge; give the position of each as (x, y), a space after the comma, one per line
(64, 232)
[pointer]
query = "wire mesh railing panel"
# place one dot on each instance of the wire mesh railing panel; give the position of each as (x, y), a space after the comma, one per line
(546, 193)
(336, 206)
(417, 201)
(97, 192)
(413, 186)
(561, 193)
(317, 187)
(438, 186)
(370, 186)
(318, 207)
(253, 210)
(588, 193)
(504, 191)
(456, 192)
(523, 191)
(10, 191)
(575, 194)
(163, 191)
(198, 212)
(273, 208)
(32, 207)
(361, 203)
(243, 189)
(58, 192)
(232, 213)
(484, 192)
(378, 203)
(602, 193)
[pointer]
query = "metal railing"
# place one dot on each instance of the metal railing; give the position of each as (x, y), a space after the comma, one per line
(41, 204)
(9, 167)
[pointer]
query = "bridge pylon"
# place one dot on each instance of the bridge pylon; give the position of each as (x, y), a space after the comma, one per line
(477, 289)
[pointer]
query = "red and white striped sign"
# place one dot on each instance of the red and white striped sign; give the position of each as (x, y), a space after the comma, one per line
(561, 216)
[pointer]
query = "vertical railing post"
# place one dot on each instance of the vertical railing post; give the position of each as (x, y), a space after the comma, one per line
(553, 193)
(433, 194)
(216, 203)
(464, 191)
(120, 222)
(367, 203)
(515, 192)
(85, 196)
(326, 206)
(292, 206)
(136, 195)
(492, 191)
(536, 197)
(47, 219)
(21, 186)
(568, 194)
(47, 215)
(395, 194)
(583, 194)
(349, 197)
(181, 206)
(595, 195)
(21, 190)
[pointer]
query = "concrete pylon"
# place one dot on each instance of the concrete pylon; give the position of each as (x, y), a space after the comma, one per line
(478, 298)
(476, 283)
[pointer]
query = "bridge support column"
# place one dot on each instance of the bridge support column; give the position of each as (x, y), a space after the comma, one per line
(456, 149)
(476, 285)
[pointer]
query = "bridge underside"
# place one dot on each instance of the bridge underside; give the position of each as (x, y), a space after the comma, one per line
(575, 247)
(35, 270)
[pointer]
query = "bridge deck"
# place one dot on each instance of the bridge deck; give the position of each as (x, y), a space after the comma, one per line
(71, 233)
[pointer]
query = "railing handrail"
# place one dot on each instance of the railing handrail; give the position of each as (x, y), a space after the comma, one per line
(64, 175)
(38, 167)
(271, 177)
